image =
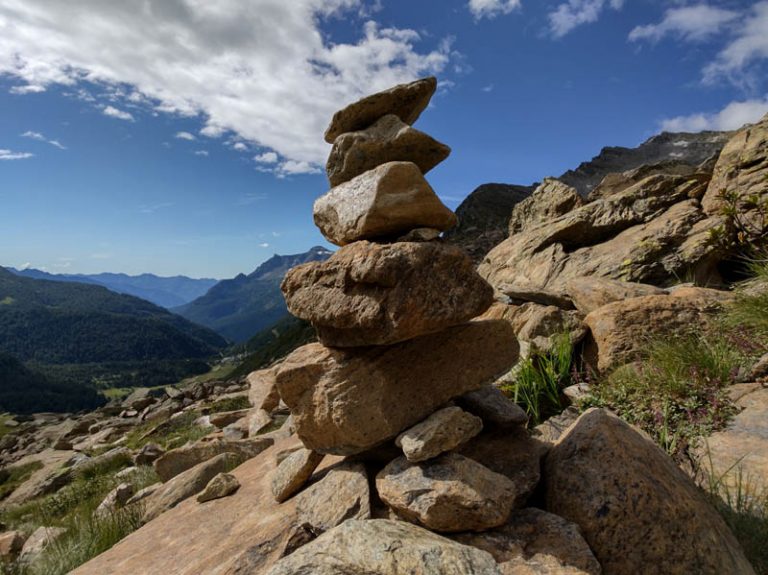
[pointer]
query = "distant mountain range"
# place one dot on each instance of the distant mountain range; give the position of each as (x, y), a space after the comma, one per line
(240, 307)
(167, 292)
(54, 322)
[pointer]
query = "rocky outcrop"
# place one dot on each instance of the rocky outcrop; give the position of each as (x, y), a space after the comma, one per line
(551, 199)
(638, 511)
(591, 293)
(373, 294)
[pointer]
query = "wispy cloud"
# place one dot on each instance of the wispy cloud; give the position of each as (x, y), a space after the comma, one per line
(152, 208)
(248, 199)
(731, 117)
(692, 23)
(488, 88)
(39, 137)
(264, 245)
(492, 8)
(185, 136)
(574, 13)
(113, 112)
(11, 155)
(201, 153)
(101, 256)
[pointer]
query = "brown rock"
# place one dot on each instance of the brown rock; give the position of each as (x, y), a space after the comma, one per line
(637, 510)
(40, 539)
(189, 483)
(616, 182)
(176, 461)
(115, 499)
(373, 294)
(619, 329)
(406, 101)
(384, 202)
(348, 401)
(536, 542)
(294, 471)
(222, 485)
(262, 391)
(493, 407)
(11, 543)
(341, 495)
(442, 431)
(590, 293)
(450, 493)
(148, 454)
(519, 295)
(224, 418)
(385, 547)
(551, 199)
(388, 140)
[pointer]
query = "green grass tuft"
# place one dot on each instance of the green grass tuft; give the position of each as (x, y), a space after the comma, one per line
(12, 477)
(169, 434)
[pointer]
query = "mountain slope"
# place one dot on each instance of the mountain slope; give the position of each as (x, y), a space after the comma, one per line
(240, 307)
(167, 292)
(56, 322)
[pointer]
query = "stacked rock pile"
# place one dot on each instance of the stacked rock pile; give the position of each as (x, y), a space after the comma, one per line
(398, 358)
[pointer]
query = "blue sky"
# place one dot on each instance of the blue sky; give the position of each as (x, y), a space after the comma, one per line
(184, 136)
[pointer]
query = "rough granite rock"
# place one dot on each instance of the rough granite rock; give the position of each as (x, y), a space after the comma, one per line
(493, 407)
(148, 454)
(342, 494)
(189, 483)
(348, 401)
(450, 493)
(384, 547)
(618, 330)
(537, 543)
(637, 510)
(406, 101)
(115, 499)
(616, 182)
(293, 472)
(388, 140)
(11, 543)
(262, 391)
(374, 294)
(176, 461)
(384, 202)
(41, 538)
(551, 199)
(442, 431)
(222, 485)
(590, 293)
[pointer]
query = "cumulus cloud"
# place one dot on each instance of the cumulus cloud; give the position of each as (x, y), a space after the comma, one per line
(265, 70)
(40, 138)
(574, 13)
(492, 8)
(239, 147)
(748, 46)
(113, 112)
(732, 117)
(11, 155)
(692, 23)
(185, 136)
(266, 158)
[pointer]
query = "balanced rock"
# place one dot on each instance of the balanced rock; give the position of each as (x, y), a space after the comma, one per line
(293, 472)
(451, 493)
(378, 294)
(388, 140)
(384, 202)
(385, 547)
(342, 494)
(406, 101)
(637, 510)
(348, 401)
(222, 485)
(440, 432)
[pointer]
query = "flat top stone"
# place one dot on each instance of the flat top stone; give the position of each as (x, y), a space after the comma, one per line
(406, 101)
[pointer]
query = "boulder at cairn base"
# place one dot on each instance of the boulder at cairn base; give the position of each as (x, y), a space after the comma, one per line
(384, 547)
(451, 493)
(348, 401)
(387, 201)
(388, 140)
(637, 510)
(406, 101)
(379, 294)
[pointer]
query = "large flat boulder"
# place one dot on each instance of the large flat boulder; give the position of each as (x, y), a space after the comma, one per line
(379, 294)
(406, 101)
(385, 547)
(384, 202)
(388, 140)
(637, 510)
(348, 401)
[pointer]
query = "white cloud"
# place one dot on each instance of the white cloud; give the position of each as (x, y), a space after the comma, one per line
(185, 136)
(732, 117)
(264, 245)
(749, 45)
(11, 155)
(574, 13)
(488, 88)
(201, 153)
(39, 137)
(265, 70)
(294, 168)
(492, 8)
(266, 158)
(692, 23)
(113, 112)
(239, 147)
(25, 266)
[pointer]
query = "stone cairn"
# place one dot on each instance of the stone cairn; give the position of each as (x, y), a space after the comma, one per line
(398, 358)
